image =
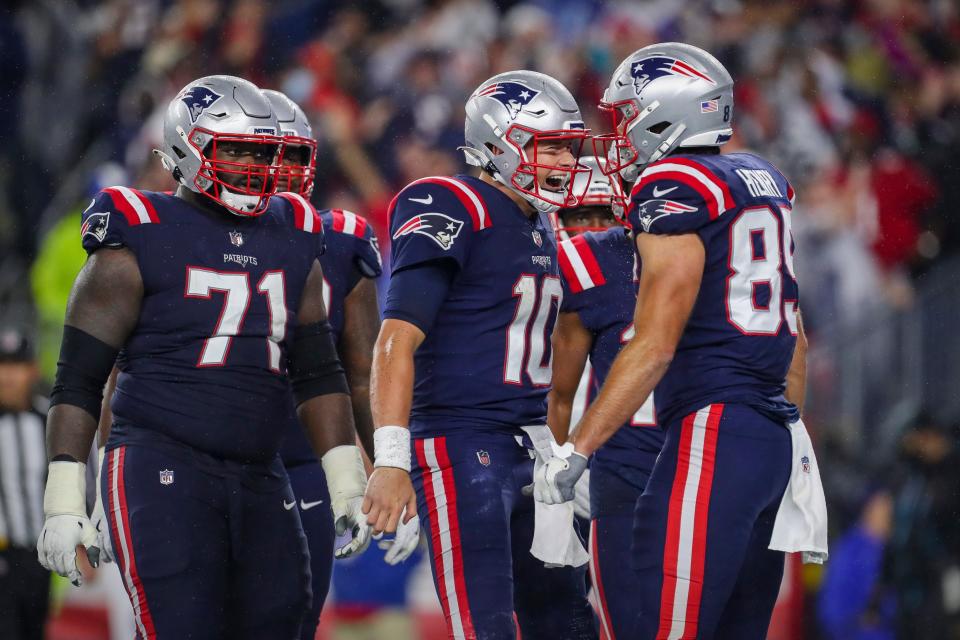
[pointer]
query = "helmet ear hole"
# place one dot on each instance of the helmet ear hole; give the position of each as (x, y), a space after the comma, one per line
(180, 154)
(660, 127)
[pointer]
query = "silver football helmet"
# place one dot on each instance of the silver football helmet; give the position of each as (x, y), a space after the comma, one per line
(508, 117)
(212, 130)
(663, 97)
(298, 167)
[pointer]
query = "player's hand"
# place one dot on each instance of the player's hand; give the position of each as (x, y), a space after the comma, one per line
(99, 519)
(390, 496)
(66, 526)
(581, 496)
(404, 543)
(555, 481)
(352, 520)
(58, 542)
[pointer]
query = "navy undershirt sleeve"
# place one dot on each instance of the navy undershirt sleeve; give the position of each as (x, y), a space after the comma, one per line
(416, 293)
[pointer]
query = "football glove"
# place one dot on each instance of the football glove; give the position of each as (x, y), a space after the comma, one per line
(66, 524)
(404, 543)
(99, 518)
(347, 482)
(555, 480)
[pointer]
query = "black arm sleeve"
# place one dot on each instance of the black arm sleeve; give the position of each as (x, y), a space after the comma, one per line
(82, 371)
(314, 366)
(417, 293)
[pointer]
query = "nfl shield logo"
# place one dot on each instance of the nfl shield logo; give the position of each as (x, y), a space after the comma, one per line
(537, 239)
(166, 476)
(483, 457)
(236, 238)
(805, 464)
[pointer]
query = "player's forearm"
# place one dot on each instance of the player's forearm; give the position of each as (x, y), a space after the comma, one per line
(559, 410)
(70, 432)
(362, 415)
(797, 375)
(635, 372)
(392, 376)
(327, 421)
(106, 414)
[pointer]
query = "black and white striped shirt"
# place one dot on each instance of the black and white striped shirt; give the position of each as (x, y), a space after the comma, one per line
(23, 473)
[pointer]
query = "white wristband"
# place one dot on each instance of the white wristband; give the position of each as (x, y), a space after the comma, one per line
(391, 447)
(66, 492)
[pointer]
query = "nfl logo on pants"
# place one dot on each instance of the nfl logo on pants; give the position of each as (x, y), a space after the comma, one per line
(166, 476)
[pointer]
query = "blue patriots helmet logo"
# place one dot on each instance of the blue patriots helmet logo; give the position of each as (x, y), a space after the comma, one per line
(198, 99)
(652, 210)
(514, 96)
(438, 227)
(649, 69)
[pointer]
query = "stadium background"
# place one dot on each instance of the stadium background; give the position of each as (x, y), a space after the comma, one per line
(858, 102)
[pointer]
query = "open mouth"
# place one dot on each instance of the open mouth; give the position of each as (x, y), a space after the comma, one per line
(556, 184)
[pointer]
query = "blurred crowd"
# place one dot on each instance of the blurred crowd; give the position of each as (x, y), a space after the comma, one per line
(857, 102)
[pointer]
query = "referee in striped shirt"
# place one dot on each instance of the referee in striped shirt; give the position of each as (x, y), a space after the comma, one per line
(24, 584)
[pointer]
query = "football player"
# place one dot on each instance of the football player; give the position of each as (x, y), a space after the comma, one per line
(350, 264)
(715, 328)
(213, 299)
(462, 362)
(599, 270)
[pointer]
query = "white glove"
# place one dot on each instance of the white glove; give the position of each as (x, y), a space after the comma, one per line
(555, 479)
(66, 524)
(347, 482)
(404, 543)
(99, 517)
(581, 496)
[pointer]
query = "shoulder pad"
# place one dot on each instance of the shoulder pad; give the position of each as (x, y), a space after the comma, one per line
(579, 265)
(133, 204)
(305, 216)
(363, 245)
(112, 213)
(677, 195)
(447, 196)
(347, 222)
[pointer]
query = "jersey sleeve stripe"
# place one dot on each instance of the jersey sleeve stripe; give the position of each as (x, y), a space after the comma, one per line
(579, 265)
(133, 205)
(466, 194)
(305, 216)
(714, 191)
(338, 221)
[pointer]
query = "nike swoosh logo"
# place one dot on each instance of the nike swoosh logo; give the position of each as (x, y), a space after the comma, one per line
(306, 506)
(427, 200)
(657, 192)
(289, 505)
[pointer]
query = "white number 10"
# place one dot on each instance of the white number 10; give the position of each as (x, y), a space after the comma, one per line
(517, 344)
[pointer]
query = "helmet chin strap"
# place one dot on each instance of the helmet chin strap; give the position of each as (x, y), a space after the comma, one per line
(239, 201)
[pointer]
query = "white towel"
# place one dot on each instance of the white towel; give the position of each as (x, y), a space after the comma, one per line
(801, 523)
(555, 540)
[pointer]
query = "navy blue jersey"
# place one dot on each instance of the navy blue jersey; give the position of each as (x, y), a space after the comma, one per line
(600, 286)
(486, 361)
(206, 363)
(351, 254)
(739, 340)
